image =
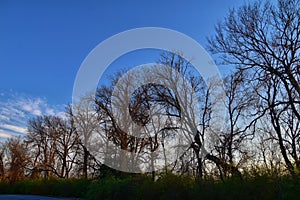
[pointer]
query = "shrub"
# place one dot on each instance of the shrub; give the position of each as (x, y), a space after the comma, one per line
(168, 186)
(51, 187)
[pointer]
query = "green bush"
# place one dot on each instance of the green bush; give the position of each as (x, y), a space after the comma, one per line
(52, 187)
(115, 188)
(168, 186)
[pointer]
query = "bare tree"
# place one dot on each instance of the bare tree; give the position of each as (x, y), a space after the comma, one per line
(87, 122)
(17, 159)
(123, 140)
(266, 157)
(2, 161)
(197, 125)
(54, 143)
(285, 124)
(66, 147)
(264, 40)
(240, 102)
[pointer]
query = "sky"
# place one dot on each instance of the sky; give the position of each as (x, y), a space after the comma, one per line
(43, 43)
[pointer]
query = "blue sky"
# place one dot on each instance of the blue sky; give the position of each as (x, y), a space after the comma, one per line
(43, 43)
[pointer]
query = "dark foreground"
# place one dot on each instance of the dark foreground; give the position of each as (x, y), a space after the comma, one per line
(30, 197)
(141, 187)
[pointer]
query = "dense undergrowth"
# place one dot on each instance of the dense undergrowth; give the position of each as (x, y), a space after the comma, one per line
(167, 187)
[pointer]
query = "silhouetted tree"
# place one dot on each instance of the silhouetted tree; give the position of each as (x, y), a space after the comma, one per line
(263, 39)
(54, 143)
(86, 120)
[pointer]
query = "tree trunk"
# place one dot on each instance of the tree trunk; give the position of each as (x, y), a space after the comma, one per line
(85, 162)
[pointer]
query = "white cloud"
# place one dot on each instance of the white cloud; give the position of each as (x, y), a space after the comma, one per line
(2, 117)
(34, 106)
(37, 112)
(5, 135)
(50, 111)
(14, 128)
(10, 111)
(16, 110)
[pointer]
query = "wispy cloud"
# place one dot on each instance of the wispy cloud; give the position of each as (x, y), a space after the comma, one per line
(16, 110)
(13, 128)
(2, 117)
(5, 135)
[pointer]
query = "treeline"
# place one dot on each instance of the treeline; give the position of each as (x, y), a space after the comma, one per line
(260, 42)
(52, 148)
